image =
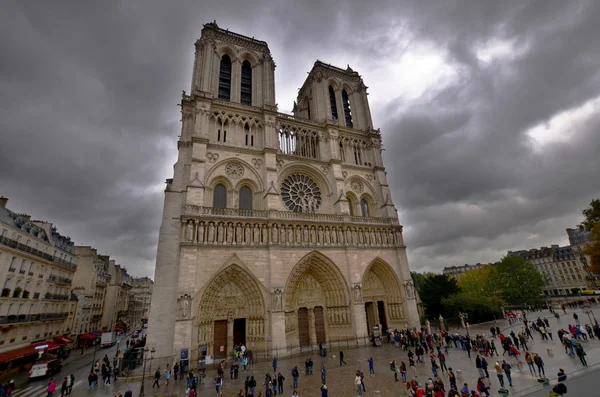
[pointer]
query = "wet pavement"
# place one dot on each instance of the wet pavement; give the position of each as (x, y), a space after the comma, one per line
(340, 378)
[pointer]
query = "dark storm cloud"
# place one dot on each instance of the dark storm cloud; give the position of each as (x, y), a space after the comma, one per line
(88, 116)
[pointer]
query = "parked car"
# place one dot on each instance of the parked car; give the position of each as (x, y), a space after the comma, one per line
(45, 368)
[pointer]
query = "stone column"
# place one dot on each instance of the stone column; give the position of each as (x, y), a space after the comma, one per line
(360, 320)
(229, 346)
(278, 342)
(311, 323)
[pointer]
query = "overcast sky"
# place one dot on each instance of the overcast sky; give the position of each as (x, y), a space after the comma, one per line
(489, 111)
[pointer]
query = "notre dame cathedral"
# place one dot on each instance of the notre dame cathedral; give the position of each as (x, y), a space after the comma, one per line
(278, 230)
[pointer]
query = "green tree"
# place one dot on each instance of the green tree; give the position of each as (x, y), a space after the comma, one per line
(518, 281)
(478, 282)
(432, 289)
(479, 307)
(593, 249)
(591, 214)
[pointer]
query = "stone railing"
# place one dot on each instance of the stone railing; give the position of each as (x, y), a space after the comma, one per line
(195, 210)
(25, 248)
(261, 228)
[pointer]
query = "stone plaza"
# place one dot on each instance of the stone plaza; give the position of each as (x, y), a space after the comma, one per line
(340, 378)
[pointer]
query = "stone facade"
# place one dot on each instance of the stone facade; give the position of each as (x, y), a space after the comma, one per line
(37, 265)
(277, 230)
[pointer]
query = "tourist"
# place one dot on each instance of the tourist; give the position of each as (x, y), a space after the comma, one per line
(324, 391)
(409, 389)
(394, 369)
(581, 354)
(482, 387)
(63, 387)
(358, 384)
(51, 388)
(167, 375)
(252, 384)
(295, 375)
(442, 359)
(434, 367)
(323, 373)
(218, 383)
(342, 358)
(479, 367)
(156, 378)
(530, 364)
(452, 378)
(506, 367)
(280, 380)
(176, 370)
(539, 363)
(561, 375)
(499, 374)
(403, 371)
(371, 367)
(465, 390)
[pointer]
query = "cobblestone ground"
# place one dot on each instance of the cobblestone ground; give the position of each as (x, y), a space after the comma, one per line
(340, 378)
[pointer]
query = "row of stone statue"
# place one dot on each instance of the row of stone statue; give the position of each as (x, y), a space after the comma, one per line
(338, 316)
(395, 310)
(257, 234)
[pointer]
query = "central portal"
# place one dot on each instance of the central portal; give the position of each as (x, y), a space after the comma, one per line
(239, 331)
(303, 327)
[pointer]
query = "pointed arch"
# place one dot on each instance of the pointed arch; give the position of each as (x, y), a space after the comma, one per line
(325, 272)
(387, 278)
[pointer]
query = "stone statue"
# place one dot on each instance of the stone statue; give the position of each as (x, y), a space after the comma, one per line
(239, 233)
(327, 236)
(264, 234)
(189, 231)
(305, 238)
(373, 237)
(220, 232)
(229, 233)
(334, 236)
(282, 234)
(290, 235)
(211, 233)
(274, 234)
(340, 236)
(184, 307)
(201, 233)
(320, 236)
(357, 293)
(298, 235)
(355, 238)
(277, 296)
(409, 289)
(256, 236)
(247, 233)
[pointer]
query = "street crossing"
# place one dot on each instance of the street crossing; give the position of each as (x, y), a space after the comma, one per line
(39, 390)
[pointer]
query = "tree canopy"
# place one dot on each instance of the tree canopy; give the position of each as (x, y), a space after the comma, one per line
(433, 288)
(518, 281)
(591, 214)
(593, 249)
(478, 282)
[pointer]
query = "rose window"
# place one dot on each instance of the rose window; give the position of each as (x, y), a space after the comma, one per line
(300, 193)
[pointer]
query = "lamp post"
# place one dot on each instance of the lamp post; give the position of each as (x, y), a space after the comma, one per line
(146, 350)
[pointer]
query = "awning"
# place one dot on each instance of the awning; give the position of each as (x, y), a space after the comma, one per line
(117, 329)
(27, 351)
(63, 339)
(89, 335)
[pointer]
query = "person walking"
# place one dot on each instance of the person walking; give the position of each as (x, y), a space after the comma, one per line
(506, 367)
(452, 378)
(371, 367)
(529, 361)
(167, 375)
(175, 370)
(581, 354)
(156, 378)
(403, 371)
(63, 387)
(394, 369)
(323, 373)
(51, 388)
(280, 380)
(274, 364)
(342, 358)
(218, 383)
(539, 363)
(434, 367)
(324, 391)
(295, 375)
(479, 366)
(442, 359)
(358, 384)
(499, 374)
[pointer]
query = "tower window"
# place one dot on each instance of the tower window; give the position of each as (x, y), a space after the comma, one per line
(364, 207)
(249, 135)
(246, 83)
(347, 110)
(220, 197)
(246, 199)
(225, 78)
(334, 113)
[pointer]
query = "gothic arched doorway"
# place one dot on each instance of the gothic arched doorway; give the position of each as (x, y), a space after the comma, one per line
(382, 296)
(232, 311)
(316, 303)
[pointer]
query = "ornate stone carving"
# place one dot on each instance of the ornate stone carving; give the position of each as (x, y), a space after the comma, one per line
(280, 163)
(325, 169)
(183, 307)
(189, 231)
(277, 296)
(357, 186)
(357, 293)
(369, 177)
(300, 193)
(345, 174)
(212, 157)
(234, 170)
(257, 163)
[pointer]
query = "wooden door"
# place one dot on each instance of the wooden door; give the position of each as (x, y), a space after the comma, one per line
(319, 324)
(220, 346)
(303, 327)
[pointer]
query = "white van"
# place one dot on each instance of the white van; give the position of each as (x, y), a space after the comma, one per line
(45, 368)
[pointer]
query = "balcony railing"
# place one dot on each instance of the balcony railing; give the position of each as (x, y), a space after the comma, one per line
(195, 210)
(22, 271)
(12, 269)
(23, 318)
(36, 295)
(30, 273)
(25, 248)
(60, 280)
(50, 296)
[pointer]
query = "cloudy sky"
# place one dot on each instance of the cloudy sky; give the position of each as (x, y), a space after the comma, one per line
(490, 109)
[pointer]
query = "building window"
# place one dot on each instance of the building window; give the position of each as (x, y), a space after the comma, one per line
(246, 198)
(246, 83)
(225, 78)
(342, 152)
(347, 110)
(334, 113)
(249, 135)
(364, 207)
(222, 132)
(220, 197)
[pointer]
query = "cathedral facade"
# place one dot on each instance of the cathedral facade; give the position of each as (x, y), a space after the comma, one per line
(278, 230)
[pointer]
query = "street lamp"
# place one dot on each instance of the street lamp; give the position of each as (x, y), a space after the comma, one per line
(146, 350)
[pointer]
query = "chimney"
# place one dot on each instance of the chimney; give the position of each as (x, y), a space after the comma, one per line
(3, 201)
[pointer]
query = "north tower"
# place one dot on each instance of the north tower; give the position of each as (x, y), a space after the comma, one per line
(278, 231)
